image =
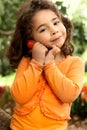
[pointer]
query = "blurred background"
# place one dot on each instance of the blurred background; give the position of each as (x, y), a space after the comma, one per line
(76, 11)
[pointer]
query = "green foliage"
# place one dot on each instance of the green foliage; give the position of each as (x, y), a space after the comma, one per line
(86, 67)
(79, 36)
(6, 100)
(79, 108)
(80, 27)
(8, 15)
(61, 7)
(85, 79)
(7, 80)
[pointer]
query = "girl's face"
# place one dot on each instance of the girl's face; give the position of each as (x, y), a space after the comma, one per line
(48, 29)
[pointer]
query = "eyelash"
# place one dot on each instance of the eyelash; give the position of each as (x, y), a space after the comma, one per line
(56, 22)
(42, 30)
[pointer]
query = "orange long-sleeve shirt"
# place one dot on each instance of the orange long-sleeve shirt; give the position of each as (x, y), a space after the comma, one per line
(52, 88)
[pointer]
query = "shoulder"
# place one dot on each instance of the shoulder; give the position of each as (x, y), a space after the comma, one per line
(76, 61)
(24, 61)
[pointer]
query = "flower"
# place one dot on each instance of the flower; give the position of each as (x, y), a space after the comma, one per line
(84, 93)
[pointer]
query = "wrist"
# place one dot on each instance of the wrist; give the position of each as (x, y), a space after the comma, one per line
(41, 62)
(38, 63)
(48, 60)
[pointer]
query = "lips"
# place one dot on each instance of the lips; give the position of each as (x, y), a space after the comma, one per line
(56, 39)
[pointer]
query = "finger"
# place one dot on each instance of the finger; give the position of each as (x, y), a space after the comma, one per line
(55, 50)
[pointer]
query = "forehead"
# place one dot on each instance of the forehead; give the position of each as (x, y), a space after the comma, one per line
(43, 16)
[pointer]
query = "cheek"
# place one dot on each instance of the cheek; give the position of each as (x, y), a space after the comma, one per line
(44, 38)
(64, 31)
(35, 37)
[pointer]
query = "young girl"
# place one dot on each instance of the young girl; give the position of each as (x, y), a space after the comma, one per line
(48, 78)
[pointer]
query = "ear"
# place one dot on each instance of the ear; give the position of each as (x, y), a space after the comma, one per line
(30, 44)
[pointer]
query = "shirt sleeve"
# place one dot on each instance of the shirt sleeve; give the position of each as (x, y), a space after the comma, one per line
(25, 83)
(67, 87)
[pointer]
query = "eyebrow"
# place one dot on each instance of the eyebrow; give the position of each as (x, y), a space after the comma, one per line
(44, 24)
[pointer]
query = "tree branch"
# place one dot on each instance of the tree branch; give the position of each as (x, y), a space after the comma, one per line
(6, 32)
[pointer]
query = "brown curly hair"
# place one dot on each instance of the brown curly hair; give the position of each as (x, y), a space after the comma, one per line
(23, 30)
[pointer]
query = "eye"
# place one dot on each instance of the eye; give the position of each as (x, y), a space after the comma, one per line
(56, 23)
(42, 30)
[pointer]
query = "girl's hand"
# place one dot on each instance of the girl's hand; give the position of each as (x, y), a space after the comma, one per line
(39, 52)
(51, 54)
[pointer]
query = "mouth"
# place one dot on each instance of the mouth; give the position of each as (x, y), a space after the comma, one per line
(56, 39)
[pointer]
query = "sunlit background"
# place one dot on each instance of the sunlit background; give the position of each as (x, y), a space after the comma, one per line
(74, 5)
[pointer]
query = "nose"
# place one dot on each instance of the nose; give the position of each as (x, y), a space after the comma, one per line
(54, 30)
(53, 33)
